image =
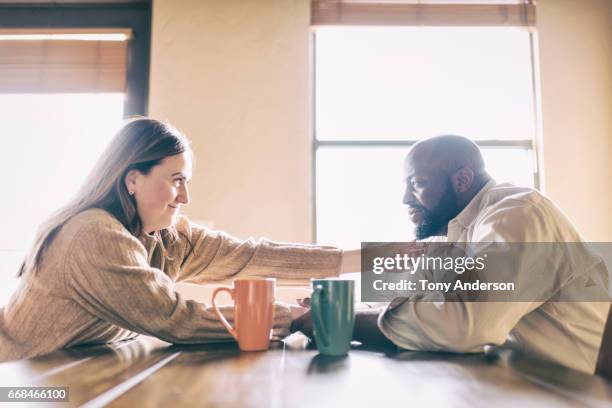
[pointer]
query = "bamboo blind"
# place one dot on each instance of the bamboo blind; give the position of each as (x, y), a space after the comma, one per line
(409, 13)
(62, 65)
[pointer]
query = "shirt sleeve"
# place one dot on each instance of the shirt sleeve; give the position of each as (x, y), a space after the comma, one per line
(109, 276)
(214, 256)
(464, 326)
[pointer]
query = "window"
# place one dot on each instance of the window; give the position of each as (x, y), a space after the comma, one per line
(380, 89)
(63, 93)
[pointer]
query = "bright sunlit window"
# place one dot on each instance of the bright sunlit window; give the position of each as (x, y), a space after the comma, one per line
(63, 92)
(380, 89)
(50, 143)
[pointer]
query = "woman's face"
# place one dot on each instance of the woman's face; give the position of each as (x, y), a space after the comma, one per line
(160, 194)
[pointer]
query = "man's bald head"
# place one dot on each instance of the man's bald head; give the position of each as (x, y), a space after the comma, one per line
(443, 174)
(447, 153)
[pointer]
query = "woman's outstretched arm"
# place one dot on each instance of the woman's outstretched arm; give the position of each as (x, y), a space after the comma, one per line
(217, 256)
(108, 274)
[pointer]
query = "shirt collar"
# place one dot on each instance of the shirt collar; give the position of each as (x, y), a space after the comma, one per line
(469, 213)
(147, 240)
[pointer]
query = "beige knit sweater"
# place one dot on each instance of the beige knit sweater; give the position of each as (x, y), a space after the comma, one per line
(98, 283)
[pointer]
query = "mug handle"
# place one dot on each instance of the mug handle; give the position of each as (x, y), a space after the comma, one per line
(316, 314)
(222, 318)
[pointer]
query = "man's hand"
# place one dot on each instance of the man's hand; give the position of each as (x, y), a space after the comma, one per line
(366, 327)
(367, 331)
(303, 324)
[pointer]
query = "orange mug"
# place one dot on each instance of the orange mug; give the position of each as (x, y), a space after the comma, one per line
(253, 312)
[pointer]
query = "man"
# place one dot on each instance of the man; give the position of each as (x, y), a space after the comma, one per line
(449, 193)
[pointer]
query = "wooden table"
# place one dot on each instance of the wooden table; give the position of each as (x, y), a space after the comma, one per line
(147, 372)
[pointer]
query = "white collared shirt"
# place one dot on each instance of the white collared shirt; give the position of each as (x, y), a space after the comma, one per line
(565, 332)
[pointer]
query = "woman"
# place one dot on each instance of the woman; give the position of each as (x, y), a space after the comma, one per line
(103, 268)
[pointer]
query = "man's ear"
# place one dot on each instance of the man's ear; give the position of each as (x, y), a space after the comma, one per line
(130, 181)
(463, 179)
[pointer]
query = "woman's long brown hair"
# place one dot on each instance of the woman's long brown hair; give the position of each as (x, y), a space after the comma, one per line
(140, 144)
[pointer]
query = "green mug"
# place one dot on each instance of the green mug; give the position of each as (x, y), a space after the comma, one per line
(333, 316)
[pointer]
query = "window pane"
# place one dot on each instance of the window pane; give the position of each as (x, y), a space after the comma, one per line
(359, 196)
(512, 165)
(408, 83)
(360, 189)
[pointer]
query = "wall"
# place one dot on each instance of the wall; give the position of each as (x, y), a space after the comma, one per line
(234, 76)
(575, 49)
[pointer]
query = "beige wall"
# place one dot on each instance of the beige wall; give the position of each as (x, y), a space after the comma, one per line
(234, 75)
(575, 41)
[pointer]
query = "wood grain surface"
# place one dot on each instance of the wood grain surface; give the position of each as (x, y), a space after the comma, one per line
(146, 372)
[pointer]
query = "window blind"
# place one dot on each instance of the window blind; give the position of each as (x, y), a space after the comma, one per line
(423, 13)
(63, 61)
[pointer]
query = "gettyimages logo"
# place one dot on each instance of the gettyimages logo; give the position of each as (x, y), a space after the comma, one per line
(484, 272)
(414, 263)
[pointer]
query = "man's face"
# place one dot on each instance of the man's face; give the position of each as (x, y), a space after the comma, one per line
(430, 197)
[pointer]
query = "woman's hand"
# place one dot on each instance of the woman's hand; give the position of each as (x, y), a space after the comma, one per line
(298, 311)
(351, 259)
(304, 302)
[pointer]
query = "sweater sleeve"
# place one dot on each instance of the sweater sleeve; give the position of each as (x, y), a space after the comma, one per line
(214, 256)
(109, 276)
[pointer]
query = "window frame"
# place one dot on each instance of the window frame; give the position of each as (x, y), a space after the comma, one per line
(526, 144)
(135, 15)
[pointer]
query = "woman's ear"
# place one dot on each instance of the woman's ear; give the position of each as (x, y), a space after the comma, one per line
(463, 179)
(131, 180)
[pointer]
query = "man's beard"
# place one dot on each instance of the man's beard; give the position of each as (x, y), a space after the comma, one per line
(436, 220)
